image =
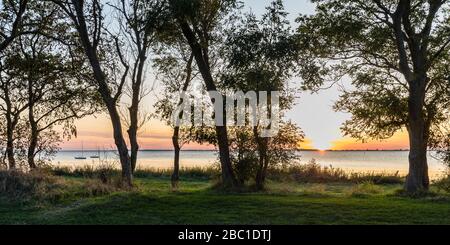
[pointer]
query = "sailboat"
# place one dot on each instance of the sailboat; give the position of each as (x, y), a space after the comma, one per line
(98, 154)
(82, 157)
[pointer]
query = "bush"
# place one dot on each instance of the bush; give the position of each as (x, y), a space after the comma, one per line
(314, 173)
(443, 184)
(245, 168)
(42, 185)
(97, 187)
(365, 189)
(104, 172)
(107, 172)
(37, 185)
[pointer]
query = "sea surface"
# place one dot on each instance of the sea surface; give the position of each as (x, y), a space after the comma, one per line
(350, 161)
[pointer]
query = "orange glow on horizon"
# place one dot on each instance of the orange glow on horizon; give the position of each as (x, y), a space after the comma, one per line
(94, 133)
(398, 142)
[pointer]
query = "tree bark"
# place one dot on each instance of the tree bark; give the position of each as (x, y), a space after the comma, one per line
(176, 160)
(418, 179)
(132, 135)
(134, 108)
(10, 148)
(127, 173)
(259, 172)
(11, 123)
(32, 149)
(34, 134)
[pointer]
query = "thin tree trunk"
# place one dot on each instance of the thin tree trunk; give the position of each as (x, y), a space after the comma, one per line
(134, 109)
(34, 134)
(176, 130)
(176, 160)
(262, 144)
(259, 172)
(32, 146)
(132, 135)
(418, 179)
(228, 177)
(31, 151)
(10, 148)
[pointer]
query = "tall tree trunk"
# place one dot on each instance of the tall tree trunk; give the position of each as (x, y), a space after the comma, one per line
(10, 148)
(176, 160)
(132, 135)
(109, 100)
(31, 151)
(10, 127)
(127, 173)
(418, 179)
(32, 145)
(114, 115)
(34, 134)
(228, 176)
(134, 108)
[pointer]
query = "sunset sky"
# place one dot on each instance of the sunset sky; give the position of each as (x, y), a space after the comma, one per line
(313, 113)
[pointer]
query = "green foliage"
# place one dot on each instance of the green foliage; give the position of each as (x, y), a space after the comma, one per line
(260, 54)
(357, 41)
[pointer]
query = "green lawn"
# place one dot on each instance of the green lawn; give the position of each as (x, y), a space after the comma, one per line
(197, 203)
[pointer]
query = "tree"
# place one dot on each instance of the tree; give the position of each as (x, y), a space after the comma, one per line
(260, 57)
(47, 79)
(88, 20)
(396, 54)
(200, 21)
(57, 90)
(141, 21)
(11, 26)
(12, 106)
(175, 70)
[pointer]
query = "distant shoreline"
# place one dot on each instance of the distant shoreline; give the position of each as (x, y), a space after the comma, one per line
(304, 150)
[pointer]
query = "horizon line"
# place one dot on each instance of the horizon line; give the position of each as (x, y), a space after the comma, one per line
(328, 150)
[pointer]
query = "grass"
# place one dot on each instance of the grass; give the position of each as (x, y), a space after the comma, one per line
(305, 173)
(195, 202)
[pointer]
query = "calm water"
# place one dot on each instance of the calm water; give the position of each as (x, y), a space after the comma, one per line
(356, 161)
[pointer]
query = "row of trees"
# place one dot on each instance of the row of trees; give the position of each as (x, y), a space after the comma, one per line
(65, 59)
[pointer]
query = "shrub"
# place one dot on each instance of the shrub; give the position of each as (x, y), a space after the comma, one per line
(314, 173)
(97, 187)
(104, 172)
(365, 189)
(443, 184)
(37, 185)
(42, 185)
(245, 168)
